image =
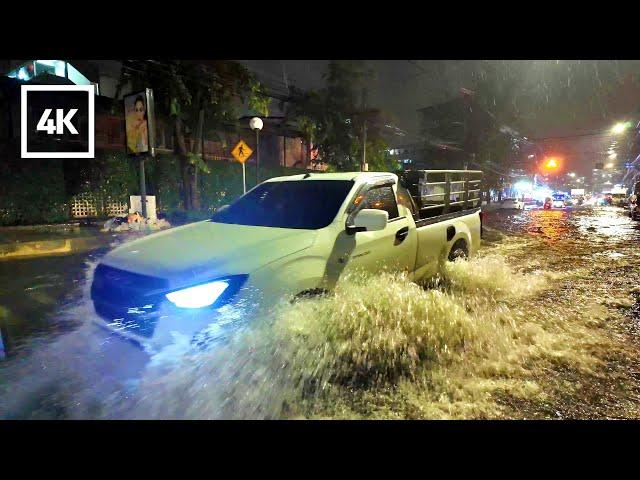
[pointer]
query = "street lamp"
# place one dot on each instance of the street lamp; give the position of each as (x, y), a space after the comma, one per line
(551, 164)
(256, 124)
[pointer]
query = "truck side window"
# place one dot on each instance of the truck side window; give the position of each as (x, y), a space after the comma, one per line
(404, 199)
(382, 198)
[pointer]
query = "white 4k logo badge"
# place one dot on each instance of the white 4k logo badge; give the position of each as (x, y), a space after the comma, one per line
(47, 124)
(57, 121)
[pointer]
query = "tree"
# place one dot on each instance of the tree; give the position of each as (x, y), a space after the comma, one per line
(201, 98)
(378, 157)
(334, 117)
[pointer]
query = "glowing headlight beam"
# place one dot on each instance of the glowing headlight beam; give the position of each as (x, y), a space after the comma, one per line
(523, 186)
(619, 128)
(198, 296)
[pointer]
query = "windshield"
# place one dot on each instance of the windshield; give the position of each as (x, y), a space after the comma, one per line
(305, 204)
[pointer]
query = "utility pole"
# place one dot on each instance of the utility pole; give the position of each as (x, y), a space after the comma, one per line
(143, 187)
(284, 151)
(364, 166)
(257, 156)
(256, 124)
(151, 126)
(3, 350)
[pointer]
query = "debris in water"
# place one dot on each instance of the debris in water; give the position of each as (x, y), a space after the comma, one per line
(134, 222)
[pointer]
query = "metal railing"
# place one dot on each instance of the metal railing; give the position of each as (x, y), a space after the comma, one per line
(438, 192)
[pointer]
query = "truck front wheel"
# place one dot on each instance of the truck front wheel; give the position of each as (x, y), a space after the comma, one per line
(312, 293)
(459, 250)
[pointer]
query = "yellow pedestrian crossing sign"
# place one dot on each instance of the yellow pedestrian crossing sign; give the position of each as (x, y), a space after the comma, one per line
(241, 151)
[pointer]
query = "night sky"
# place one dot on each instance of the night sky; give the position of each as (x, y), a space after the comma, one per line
(401, 87)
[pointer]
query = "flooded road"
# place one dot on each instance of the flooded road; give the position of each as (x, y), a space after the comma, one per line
(543, 324)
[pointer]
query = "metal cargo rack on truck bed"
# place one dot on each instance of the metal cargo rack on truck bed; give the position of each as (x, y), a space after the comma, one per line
(443, 192)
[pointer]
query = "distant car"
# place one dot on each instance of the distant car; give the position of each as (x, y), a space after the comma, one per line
(634, 208)
(526, 204)
(510, 203)
(619, 199)
(558, 201)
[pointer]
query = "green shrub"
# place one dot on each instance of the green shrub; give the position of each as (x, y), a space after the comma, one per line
(36, 191)
(32, 191)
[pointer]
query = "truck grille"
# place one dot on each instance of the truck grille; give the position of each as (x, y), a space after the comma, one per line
(129, 299)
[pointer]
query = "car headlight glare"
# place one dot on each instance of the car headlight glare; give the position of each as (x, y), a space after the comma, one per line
(198, 296)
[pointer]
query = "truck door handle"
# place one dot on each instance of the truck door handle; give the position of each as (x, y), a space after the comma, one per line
(402, 233)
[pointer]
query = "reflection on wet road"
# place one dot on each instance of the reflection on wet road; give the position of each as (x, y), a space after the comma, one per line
(563, 237)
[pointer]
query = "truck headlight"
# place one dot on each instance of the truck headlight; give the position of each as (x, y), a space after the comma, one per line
(215, 292)
(198, 296)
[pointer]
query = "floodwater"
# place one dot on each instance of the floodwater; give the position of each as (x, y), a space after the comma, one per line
(542, 324)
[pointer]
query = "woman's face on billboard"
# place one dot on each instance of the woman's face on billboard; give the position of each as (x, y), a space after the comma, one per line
(138, 109)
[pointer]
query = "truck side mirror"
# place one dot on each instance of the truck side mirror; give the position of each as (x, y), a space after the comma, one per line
(369, 220)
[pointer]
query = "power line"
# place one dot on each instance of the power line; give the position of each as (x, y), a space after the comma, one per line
(596, 134)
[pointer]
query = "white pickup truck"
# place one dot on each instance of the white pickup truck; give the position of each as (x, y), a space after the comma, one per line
(288, 236)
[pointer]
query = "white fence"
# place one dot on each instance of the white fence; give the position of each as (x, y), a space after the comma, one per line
(87, 205)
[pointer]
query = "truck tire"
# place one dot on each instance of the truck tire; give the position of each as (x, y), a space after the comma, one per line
(312, 293)
(459, 250)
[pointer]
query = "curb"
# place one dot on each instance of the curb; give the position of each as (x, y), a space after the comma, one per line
(45, 227)
(40, 248)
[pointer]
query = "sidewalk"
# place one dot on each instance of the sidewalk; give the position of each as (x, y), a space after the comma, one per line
(45, 240)
(22, 242)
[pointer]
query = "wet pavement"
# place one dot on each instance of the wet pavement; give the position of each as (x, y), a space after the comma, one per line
(596, 250)
(593, 250)
(41, 272)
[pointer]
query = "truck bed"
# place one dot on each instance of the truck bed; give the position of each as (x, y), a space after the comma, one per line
(439, 193)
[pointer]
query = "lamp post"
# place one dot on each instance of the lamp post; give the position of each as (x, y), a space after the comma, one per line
(256, 124)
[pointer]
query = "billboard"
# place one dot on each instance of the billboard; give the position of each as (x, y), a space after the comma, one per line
(140, 122)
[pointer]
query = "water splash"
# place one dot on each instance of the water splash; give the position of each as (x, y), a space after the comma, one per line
(379, 347)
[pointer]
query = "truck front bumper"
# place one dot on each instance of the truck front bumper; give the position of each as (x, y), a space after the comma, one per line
(134, 306)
